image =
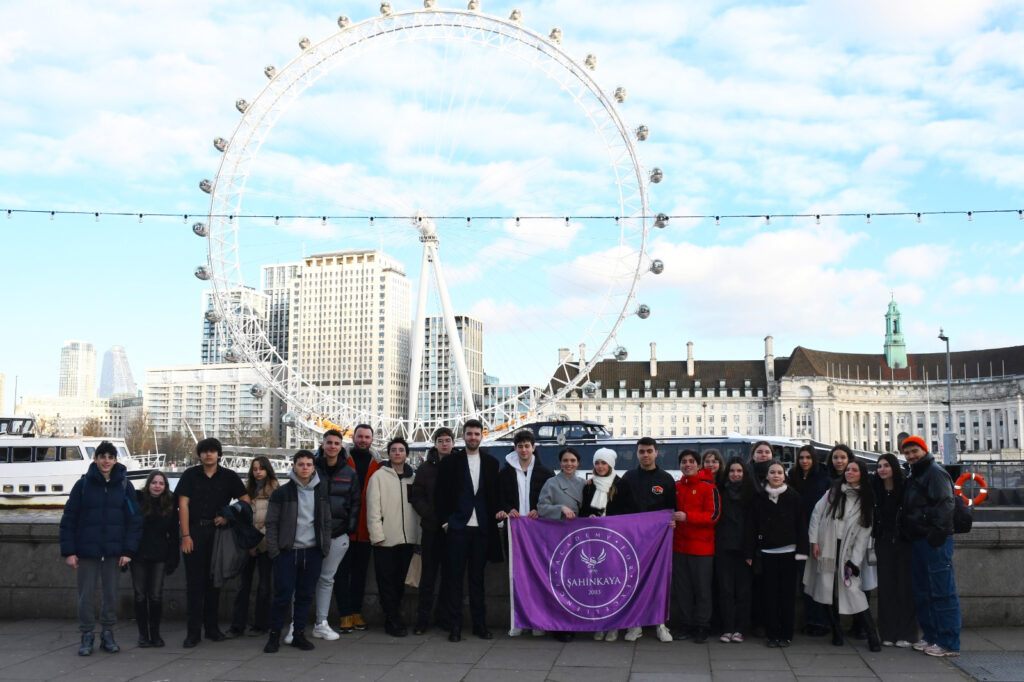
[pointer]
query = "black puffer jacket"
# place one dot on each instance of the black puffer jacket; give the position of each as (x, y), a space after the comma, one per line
(927, 503)
(343, 491)
(101, 517)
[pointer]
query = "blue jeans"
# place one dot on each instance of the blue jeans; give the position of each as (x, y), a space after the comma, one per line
(295, 573)
(935, 597)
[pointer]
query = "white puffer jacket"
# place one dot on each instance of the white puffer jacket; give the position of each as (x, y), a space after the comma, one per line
(390, 517)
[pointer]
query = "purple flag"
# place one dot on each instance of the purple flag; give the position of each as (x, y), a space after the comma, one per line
(590, 574)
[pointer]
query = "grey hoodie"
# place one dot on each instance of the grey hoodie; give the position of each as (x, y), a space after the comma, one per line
(305, 531)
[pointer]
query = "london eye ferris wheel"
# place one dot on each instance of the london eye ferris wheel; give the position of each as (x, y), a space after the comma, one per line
(467, 143)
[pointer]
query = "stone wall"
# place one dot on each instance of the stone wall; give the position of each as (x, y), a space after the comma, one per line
(35, 582)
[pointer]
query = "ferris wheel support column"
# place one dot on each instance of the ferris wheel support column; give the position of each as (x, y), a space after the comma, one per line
(416, 361)
(455, 343)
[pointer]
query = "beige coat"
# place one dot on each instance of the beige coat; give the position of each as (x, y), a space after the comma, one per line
(819, 582)
(390, 518)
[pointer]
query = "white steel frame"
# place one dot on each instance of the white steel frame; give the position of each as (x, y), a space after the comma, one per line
(306, 403)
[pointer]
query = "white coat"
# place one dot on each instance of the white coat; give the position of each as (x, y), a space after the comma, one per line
(390, 517)
(853, 539)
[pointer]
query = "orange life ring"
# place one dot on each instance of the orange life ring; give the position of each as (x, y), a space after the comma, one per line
(979, 481)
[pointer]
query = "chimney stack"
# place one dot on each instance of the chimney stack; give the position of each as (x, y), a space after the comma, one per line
(564, 355)
(769, 358)
(654, 360)
(583, 353)
(689, 359)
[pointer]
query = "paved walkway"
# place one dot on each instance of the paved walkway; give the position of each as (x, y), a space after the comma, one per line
(46, 650)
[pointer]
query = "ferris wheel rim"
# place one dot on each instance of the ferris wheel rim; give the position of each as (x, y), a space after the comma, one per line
(225, 200)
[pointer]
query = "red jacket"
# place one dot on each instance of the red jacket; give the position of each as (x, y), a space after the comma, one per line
(698, 497)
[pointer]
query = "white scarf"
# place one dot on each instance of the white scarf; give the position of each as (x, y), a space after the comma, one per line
(773, 493)
(602, 484)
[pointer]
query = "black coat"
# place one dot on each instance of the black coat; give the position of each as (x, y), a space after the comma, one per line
(508, 486)
(102, 517)
(452, 477)
(621, 501)
(733, 532)
(927, 502)
(160, 539)
(343, 491)
(421, 492)
(778, 524)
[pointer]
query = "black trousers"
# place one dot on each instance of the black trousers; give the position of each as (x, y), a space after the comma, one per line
(201, 597)
(897, 617)
(147, 580)
(350, 579)
(734, 581)
(264, 594)
(391, 565)
(467, 555)
(778, 597)
(432, 546)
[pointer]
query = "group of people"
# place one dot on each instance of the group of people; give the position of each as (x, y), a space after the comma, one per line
(746, 534)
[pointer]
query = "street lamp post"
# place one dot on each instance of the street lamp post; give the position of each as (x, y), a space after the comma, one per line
(949, 445)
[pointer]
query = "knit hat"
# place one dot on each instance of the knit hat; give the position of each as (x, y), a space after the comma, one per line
(914, 440)
(606, 455)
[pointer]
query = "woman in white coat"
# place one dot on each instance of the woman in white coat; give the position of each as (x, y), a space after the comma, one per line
(394, 528)
(839, 531)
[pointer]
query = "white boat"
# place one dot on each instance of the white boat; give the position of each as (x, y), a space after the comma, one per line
(40, 472)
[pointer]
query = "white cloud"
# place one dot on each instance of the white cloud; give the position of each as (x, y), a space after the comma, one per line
(923, 261)
(980, 284)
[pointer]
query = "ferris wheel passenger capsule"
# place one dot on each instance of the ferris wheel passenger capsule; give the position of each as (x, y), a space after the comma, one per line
(343, 21)
(206, 185)
(200, 230)
(621, 354)
(385, 9)
(642, 133)
(258, 390)
(657, 266)
(212, 316)
(473, 5)
(590, 389)
(220, 143)
(591, 61)
(269, 71)
(202, 272)
(289, 418)
(304, 43)
(515, 15)
(657, 176)
(232, 355)
(556, 34)
(241, 105)
(660, 220)
(620, 94)
(429, 4)
(643, 312)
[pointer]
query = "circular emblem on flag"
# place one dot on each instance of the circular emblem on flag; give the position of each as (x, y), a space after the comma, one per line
(593, 572)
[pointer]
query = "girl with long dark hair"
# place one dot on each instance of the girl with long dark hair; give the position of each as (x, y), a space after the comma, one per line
(734, 550)
(839, 531)
(260, 483)
(897, 619)
(157, 556)
(809, 478)
(838, 458)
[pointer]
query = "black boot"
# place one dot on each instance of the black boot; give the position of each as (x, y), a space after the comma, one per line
(88, 640)
(108, 643)
(867, 624)
(273, 642)
(837, 630)
(142, 620)
(156, 611)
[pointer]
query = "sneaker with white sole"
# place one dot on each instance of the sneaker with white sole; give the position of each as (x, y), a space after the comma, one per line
(323, 631)
(726, 637)
(611, 635)
(633, 634)
(938, 650)
(902, 644)
(737, 637)
(921, 645)
(599, 636)
(886, 642)
(663, 634)
(515, 632)
(290, 635)
(539, 633)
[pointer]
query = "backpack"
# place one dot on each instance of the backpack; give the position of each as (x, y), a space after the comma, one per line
(963, 519)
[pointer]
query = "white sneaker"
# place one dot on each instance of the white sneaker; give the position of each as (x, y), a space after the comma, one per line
(938, 650)
(288, 635)
(903, 644)
(633, 634)
(599, 636)
(886, 642)
(611, 635)
(663, 634)
(539, 633)
(323, 631)
(921, 645)
(726, 637)
(515, 632)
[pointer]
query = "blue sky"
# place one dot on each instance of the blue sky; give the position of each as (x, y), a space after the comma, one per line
(827, 106)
